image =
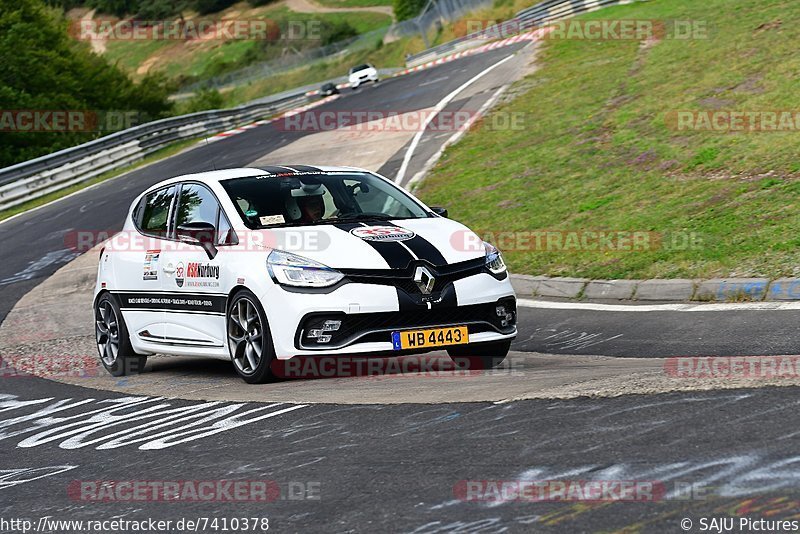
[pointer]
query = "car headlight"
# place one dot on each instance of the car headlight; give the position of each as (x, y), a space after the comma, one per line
(494, 260)
(293, 270)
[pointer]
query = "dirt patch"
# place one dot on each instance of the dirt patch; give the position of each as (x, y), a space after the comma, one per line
(767, 26)
(713, 102)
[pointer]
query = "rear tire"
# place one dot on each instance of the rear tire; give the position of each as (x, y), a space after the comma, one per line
(479, 356)
(113, 341)
(249, 338)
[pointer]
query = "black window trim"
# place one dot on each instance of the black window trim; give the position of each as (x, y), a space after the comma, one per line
(171, 234)
(220, 212)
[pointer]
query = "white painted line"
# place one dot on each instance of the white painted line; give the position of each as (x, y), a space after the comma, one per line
(687, 307)
(439, 107)
(454, 138)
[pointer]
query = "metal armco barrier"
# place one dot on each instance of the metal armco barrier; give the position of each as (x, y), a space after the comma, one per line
(532, 17)
(38, 177)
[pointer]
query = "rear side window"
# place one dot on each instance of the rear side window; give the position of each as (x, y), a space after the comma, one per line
(153, 216)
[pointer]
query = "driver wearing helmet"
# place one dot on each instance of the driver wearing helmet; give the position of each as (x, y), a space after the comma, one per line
(306, 204)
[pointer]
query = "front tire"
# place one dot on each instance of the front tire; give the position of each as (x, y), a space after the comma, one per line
(113, 341)
(249, 338)
(479, 356)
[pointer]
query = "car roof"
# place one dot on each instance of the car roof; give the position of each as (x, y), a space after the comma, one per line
(216, 176)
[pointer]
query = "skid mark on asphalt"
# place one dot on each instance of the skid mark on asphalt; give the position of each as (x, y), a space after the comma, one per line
(147, 422)
(553, 339)
(57, 257)
(14, 477)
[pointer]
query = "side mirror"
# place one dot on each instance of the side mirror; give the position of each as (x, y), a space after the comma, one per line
(440, 211)
(199, 233)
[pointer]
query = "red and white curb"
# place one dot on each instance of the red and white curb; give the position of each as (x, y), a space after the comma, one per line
(291, 112)
(527, 36)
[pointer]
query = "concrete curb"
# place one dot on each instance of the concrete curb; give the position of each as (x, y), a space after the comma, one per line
(713, 290)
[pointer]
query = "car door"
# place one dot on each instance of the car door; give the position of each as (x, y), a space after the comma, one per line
(193, 281)
(138, 257)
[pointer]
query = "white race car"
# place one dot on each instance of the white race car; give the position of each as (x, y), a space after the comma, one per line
(262, 265)
(362, 74)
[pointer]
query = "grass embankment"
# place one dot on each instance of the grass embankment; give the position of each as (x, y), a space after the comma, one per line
(201, 59)
(598, 151)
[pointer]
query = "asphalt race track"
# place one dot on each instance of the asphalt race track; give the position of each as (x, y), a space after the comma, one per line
(368, 467)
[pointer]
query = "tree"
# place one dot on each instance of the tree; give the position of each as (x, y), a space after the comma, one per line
(407, 9)
(45, 70)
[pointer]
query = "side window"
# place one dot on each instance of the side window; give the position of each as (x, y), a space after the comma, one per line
(153, 216)
(196, 204)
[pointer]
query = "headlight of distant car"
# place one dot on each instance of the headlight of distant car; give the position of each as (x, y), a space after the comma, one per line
(293, 270)
(494, 260)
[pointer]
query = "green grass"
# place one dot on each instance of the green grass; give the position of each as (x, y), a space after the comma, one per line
(596, 153)
(162, 153)
(129, 55)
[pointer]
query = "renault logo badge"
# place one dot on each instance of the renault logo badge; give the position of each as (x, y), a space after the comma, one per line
(424, 279)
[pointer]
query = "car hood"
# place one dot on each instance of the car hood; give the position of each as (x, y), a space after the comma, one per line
(379, 245)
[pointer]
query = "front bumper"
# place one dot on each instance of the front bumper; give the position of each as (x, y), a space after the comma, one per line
(355, 82)
(370, 312)
(378, 327)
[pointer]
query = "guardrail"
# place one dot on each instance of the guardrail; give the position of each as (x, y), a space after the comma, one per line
(527, 19)
(38, 177)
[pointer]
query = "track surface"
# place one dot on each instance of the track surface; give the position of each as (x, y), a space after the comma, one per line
(393, 468)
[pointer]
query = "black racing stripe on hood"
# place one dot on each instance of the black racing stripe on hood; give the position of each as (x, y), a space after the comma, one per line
(304, 168)
(424, 249)
(393, 253)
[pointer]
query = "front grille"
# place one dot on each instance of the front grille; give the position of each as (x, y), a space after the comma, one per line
(364, 327)
(404, 278)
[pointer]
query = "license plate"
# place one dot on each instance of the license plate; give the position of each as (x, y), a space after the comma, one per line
(434, 337)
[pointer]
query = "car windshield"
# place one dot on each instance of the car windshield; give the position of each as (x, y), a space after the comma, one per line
(360, 67)
(292, 199)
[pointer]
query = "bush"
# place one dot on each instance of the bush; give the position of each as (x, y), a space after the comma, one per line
(333, 32)
(203, 100)
(407, 9)
(204, 7)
